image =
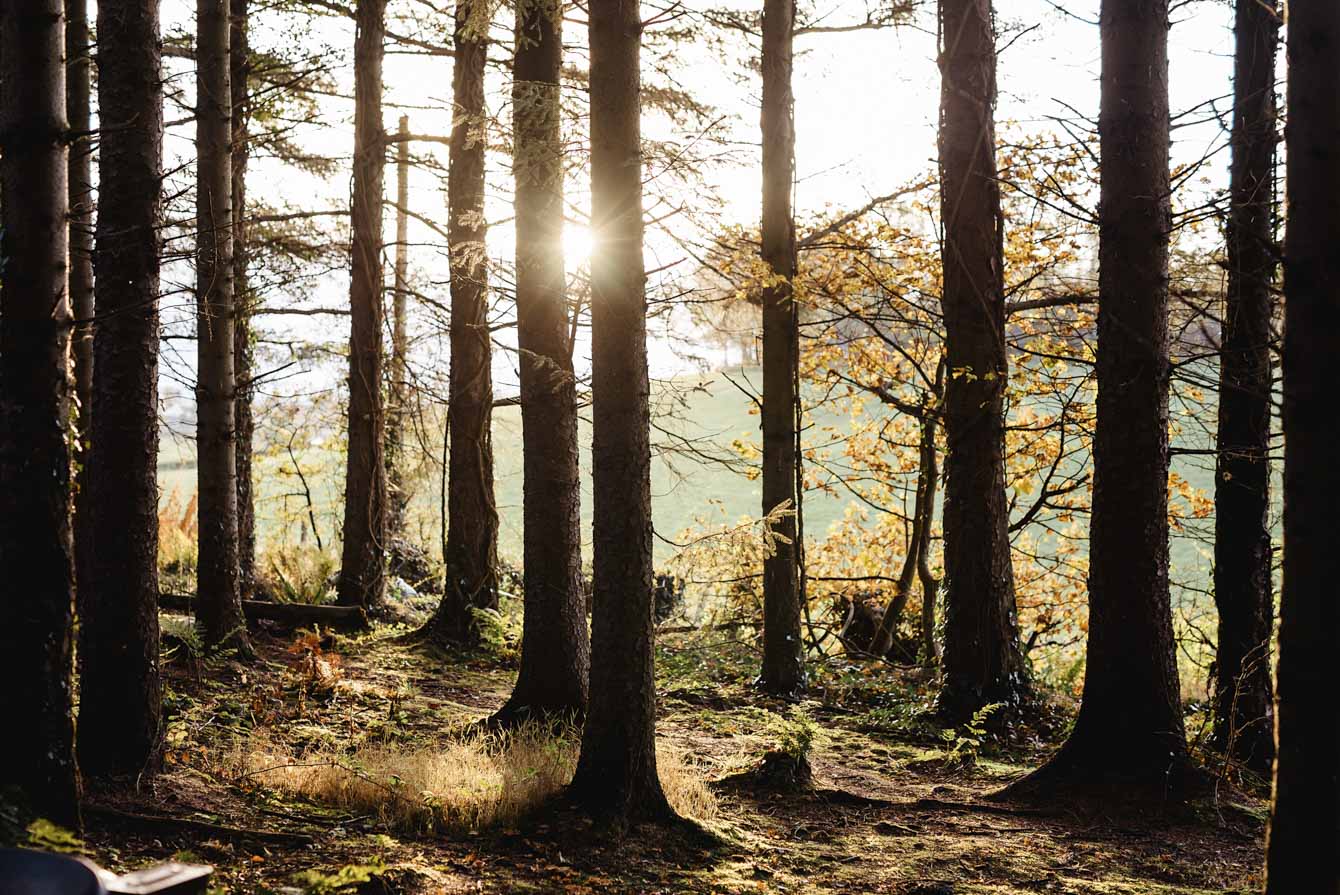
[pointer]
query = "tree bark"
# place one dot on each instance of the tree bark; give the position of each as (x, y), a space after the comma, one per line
(244, 301)
(397, 487)
(783, 670)
(219, 608)
(1244, 721)
(120, 690)
(119, 687)
(1243, 713)
(36, 548)
(616, 778)
(472, 517)
(1129, 732)
(982, 660)
(555, 650)
(78, 93)
(362, 571)
(1305, 813)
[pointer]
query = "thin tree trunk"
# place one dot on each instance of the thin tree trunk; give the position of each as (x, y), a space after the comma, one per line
(1129, 733)
(78, 89)
(616, 777)
(930, 585)
(120, 690)
(36, 548)
(397, 487)
(362, 572)
(783, 650)
(555, 650)
(923, 511)
(982, 660)
(1243, 717)
(471, 545)
(219, 604)
(240, 67)
(1305, 813)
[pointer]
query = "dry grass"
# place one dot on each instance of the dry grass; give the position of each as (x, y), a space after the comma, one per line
(297, 574)
(479, 782)
(685, 784)
(177, 530)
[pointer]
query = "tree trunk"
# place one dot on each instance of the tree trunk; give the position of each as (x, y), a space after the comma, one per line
(918, 543)
(471, 549)
(1243, 715)
(240, 68)
(1305, 814)
(397, 488)
(982, 660)
(36, 548)
(119, 689)
(1129, 732)
(930, 585)
(219, 608)
(362, 572)
(78, 89)
(783, 650)
(616, 777)
(555, 651)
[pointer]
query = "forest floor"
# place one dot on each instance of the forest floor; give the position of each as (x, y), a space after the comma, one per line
(896, 807)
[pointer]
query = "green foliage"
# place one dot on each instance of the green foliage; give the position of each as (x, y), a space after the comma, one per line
(495, 634)
(178, 633)
(48, 836)
(343, 879)
(795, 735)
(298, 573)
(965, 743)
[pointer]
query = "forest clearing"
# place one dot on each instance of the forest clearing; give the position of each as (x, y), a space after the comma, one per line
(893, 806)
(657, 446)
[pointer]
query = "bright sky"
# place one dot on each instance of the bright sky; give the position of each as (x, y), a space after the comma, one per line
(865, 116)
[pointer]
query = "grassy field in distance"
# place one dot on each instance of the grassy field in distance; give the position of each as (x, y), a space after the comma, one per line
(707, 413)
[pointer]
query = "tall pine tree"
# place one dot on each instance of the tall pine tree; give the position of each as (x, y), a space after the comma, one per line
(555, 650)
(616, 777)
(982, 660)
(1305, 813)
(362, 579)
(1129, 738)
(120, 691)
(783, 670)
(37, 602)
(1243, 716)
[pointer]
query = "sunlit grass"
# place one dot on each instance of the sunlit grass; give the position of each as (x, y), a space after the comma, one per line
(481, 781)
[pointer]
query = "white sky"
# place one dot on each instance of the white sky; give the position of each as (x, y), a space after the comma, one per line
(866, 107)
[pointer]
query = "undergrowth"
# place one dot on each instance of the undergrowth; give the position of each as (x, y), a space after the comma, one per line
(485, 780)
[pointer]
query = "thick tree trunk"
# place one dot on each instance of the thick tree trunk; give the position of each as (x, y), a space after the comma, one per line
(555, 651)
(120, 689)
(472, 517)
(1129, 732)
(1305, 814)
(240, 67)
(36, 548)
(1243, 714)
(982, 660)
(616, 777)
(219, 608)
(362, 571)
(783, 670)
(397, 488)
(78, 90)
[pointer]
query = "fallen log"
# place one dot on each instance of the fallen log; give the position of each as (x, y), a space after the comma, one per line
(294, 614)
(167, 825)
